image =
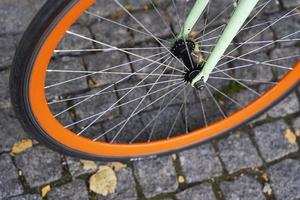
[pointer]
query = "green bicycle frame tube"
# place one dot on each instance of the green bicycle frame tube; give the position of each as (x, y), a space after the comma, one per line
(192, 18)
(235, 23)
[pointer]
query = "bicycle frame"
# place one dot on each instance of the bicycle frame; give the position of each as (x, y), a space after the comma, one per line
(235, 23)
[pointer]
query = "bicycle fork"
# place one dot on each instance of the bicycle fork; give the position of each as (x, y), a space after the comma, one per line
(235, 23)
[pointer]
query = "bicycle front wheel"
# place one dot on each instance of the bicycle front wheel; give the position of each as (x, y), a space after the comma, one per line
(101, 80)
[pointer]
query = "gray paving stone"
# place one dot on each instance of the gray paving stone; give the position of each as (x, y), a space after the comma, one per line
(133, 94)
(64, 118)
(110, 33)
(4, 90)
(124, 133)
(203, 191)
(258, 72)
(272, 7)
(97, 105)
(145, 66)
(158, 29)
(287, 106)
(9, 180)
(162, 122)
(23, 11)
(271, 141)
(75, 190)
(71, 42)
(68, 86)
(286, 27)
(290, 3)
(296, 124)
(102, 8)
(195, 116)
(245, 187)
(156, 176)
(237, 152)
(10, 130)
(288, 61)
(104, 62)
(76, 167)
(173, 94)
(125, 189)
(27, 197)
(244, 97)
(254, 33)
(39, 165)
(7, 50)
(200, 163)
(285, 179)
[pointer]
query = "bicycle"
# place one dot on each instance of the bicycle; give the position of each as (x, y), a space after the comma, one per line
(117, 81)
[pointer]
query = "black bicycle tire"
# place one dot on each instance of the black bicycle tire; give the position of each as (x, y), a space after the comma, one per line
(23, 61)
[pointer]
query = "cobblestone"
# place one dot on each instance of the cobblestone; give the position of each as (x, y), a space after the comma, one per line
(258, 72)
(288, 105)
(75, 190)
(115, 63)
(168, 122)
(7, 50)
(9, 180)
(76, 167)
(290, 3)
(71, 42)
(15, 15)
(282, 57)
(200, 163)
(156, 176)
(27, 197)
(39, 165)
(245, 187)
(160, 29)
(10, 130)
(284, 29)
(203, 191)
(125, 189)
(4, 92)
(54, 77)
(285, 179)
(271, 141)
(238, 152)
(128, 132)
(97, 105)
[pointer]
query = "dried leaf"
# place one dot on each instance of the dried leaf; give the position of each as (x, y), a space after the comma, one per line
(88, 165)
(297, 133)
(104, 181)
(117, 166)
(265, 177)
(181, 179)
(174, 156)
(21, 146)
(290, 136)
(45, 190)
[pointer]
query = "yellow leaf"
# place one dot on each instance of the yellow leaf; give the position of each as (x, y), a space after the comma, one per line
(181, 179)
(88, 165)
(265, 177)
(45, 190)
(290, 136)
(104, 181)
(297, 133)
(21, 146)
(117, 166)
(174, 156)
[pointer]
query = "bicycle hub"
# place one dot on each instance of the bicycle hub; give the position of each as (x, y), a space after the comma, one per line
(184, 49)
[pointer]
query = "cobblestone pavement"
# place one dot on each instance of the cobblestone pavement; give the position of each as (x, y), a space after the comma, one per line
(256, 163)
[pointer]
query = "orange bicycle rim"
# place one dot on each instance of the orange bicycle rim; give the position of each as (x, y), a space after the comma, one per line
(55, 130)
